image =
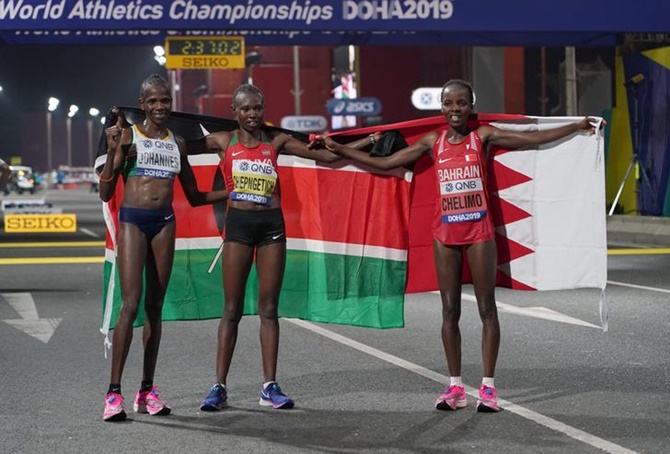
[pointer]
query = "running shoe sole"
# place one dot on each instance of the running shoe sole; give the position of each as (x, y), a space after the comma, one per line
(211, 407)
(483, 408)
(443, 405)
(268, 403)
(117, 417)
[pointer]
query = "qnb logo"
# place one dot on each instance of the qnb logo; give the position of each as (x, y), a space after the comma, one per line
(397, 9)
(163, 145)
(147, 143)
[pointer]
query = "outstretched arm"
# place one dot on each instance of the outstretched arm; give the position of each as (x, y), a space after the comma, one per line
(188, 182)
(513, 139)
(400, 158)
(293, 146)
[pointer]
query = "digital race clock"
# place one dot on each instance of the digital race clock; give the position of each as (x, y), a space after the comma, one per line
(211, 52)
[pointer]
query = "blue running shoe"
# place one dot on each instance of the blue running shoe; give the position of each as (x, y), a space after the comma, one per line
(271, 396)
(216, 400)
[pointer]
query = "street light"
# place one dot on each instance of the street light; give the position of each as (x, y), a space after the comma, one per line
(159, 55)
(52, 105)
(92, 113)
(71, 113)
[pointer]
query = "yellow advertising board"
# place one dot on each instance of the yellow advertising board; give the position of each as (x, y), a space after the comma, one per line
(40, 223)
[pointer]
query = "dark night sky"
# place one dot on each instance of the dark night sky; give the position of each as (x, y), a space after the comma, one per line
(85, 75)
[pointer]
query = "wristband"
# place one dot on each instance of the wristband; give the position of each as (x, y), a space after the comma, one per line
(372, 139)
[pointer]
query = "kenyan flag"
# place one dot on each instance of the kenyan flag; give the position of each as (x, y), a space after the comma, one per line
(347, 247)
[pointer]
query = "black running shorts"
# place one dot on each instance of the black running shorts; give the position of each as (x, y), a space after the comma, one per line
(255, 227)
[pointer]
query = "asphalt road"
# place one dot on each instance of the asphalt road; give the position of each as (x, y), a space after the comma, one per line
(566, 385)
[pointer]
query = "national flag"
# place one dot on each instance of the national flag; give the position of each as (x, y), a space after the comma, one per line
(359, 239)
(548, 206)
(346, 241)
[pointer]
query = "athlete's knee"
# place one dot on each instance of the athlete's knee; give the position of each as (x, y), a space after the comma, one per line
(130, 308)
(232, 313)
(488, 311)
(267, 309)
(154, 310)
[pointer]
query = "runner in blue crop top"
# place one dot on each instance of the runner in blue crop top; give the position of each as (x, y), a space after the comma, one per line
(149, 156)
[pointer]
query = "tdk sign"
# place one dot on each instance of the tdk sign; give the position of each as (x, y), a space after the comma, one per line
(309, 123)
(361, 107)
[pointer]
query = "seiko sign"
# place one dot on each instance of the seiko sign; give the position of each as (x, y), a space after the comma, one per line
(361, 107)
(427, 98)
(307, 123)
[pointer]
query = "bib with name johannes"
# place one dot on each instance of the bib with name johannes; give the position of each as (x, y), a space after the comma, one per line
(157, 158)
(251, 173)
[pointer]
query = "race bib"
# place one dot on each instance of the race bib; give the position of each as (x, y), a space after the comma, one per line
(462, 195)
(157, 158)
(253, 181)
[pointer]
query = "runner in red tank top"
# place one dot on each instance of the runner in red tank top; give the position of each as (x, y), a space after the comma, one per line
(254, 230)
(463, 224)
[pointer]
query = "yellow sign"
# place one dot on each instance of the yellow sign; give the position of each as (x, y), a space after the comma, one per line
(40, 223)
(210, 52)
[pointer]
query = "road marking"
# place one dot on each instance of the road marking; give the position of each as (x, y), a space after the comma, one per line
(641, 287)
(640, 251)
(50, 260)
(30, 323)
(89, 232)
(53, 244)
(543, 313)
(538, 418)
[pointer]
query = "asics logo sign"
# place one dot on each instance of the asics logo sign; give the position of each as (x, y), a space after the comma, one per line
(361, 107)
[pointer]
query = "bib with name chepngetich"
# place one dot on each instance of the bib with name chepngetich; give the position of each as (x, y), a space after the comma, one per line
(157, 158)
(251, 173)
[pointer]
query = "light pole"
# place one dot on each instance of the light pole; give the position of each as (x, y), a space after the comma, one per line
(71, 113)
(51, 106)
(159, 56)
(92, 113)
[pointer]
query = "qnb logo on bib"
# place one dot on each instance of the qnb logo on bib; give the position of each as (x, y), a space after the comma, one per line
(462, 196)
(158, 144)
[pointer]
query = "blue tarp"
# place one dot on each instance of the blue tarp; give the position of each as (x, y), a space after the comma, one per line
(462, 22)
(648, 89)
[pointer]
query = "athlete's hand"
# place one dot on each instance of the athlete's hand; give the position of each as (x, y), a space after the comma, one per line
(588, 124)
(324, 141)
(115, 131)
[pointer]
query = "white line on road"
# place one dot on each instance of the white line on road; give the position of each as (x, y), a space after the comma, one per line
(89, 232)
(538, 418)
(641, 287)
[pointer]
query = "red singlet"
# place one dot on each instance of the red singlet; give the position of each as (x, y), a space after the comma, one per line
(251, 173)
(462, 215)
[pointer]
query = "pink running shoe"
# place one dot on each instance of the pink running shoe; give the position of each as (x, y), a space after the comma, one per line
(487, 402)
(114, 408)
(453, 398)
(150, 402)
